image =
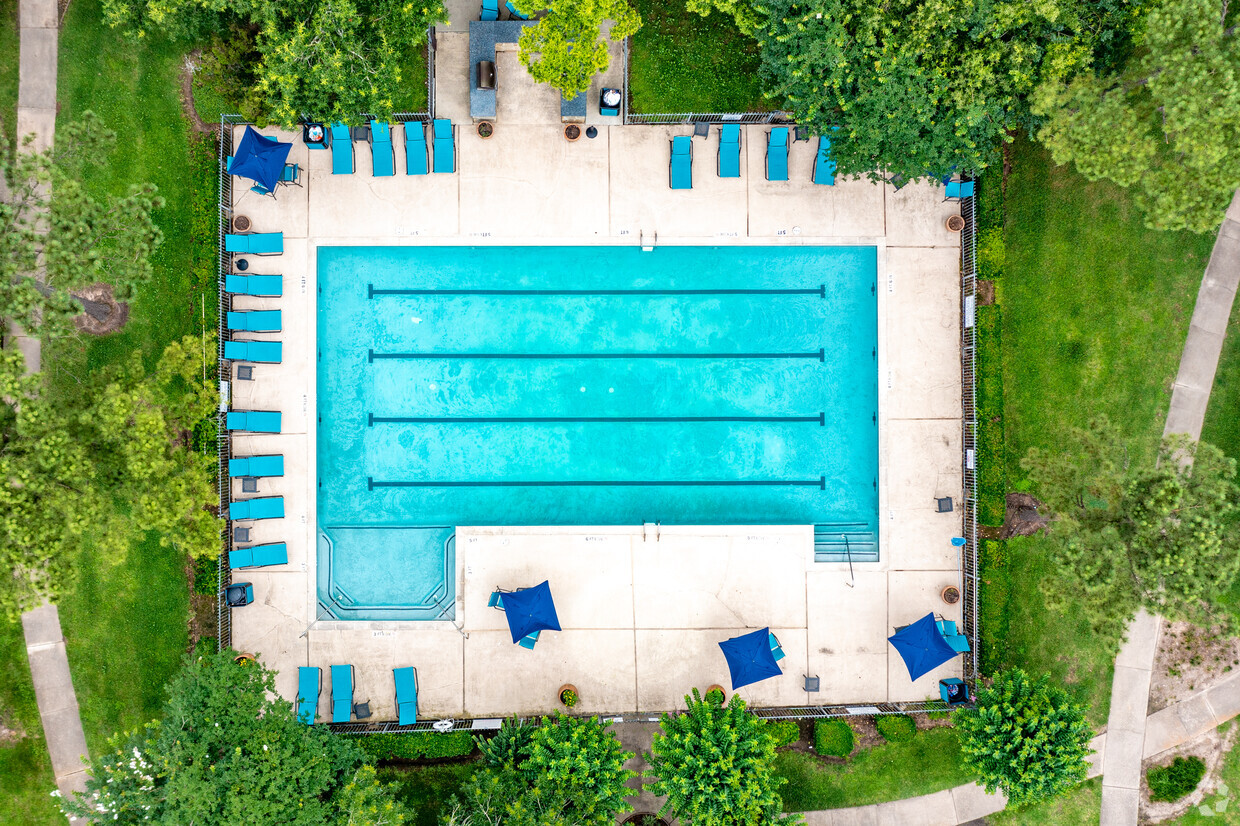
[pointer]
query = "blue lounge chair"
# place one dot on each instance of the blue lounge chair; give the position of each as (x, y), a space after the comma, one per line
(255, 321)
(958, 642)
(496, 600)
(264, 351)
(259, 556)
(266, 285)
(342, 149)
(382, 156)
(255, 243)
(529, 640)
(956, 190)
(342, 693)
(445, 146)
(777, 154)
(406, 695)
(253, 421)
(309, 684)
(415, 148)
(730, 151)
(490, 10)
(514, 12)
(256, 466)
(777, 651)
(263, 507)
(291, 174)
(824, 164)
(680, 168)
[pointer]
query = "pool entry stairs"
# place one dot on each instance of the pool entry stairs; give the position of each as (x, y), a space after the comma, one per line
(837, 541)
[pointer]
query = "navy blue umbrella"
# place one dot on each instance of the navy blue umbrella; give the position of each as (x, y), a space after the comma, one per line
(260, 158)
(922, 646)
(530, 610)
(749, 658)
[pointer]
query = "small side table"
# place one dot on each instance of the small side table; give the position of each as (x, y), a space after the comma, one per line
(249, 484)
(241, 533)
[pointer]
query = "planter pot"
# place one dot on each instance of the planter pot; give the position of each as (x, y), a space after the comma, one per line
(719, 688)
(486, 129)
(951, 595)
(241, 223)
(572, 132)
(243, 659)
(564, 689)
(955, 223)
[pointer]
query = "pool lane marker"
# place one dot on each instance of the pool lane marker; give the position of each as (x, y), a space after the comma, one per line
(819, 354)
(820, 291)
(820, 483)
(372, 419)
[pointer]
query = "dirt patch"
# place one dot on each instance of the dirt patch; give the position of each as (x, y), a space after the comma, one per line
(1189, 659)
(865, 735)
(186, 85)
(1022, 517)
(1211, 747)
(985, 293)
(10, 732)
(101, 312)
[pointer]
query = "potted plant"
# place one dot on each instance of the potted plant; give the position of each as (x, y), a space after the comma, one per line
(243, 658)
(572, 132)
(950, 595)
(715, 694)
(485, 129)
(568, 695)
(955, 223)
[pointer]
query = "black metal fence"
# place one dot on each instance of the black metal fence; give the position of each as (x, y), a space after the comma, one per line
(969, 578)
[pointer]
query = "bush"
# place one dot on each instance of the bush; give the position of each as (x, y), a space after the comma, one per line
(714, 696)
(833, 738)
(896, 728)
(1168, 783)
(421, 744)
(785, 732)
(206, 575)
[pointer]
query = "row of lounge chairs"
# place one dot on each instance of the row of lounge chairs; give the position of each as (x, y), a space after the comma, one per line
(310, 686)
(383, 155)
(728, 164)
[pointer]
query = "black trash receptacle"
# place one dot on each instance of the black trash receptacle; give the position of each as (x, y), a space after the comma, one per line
(239, 594)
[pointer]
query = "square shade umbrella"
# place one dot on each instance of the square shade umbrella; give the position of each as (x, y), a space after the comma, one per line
(260, 158)
(921, 646)
(749, 658)
(529, 610)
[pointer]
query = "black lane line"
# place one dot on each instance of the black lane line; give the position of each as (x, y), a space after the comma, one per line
(372, 419)
(820, 483)
(819, 354)
(820, 291)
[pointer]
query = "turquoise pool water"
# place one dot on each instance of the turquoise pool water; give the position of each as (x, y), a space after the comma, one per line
(581, 386)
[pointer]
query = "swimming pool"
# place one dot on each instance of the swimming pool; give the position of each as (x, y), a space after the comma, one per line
(582, 386)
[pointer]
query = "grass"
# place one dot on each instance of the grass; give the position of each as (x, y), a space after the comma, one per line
(930, 762)
(1222, 427)
(1229, 774)
(1078, 807)
(683, 62)
(412, 94)
(9, 58)
(426, 789)
(25, 768)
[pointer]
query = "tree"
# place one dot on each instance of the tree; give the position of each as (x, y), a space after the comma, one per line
(56, 236)
(1129, 533)
(1169, 117)
(335, 59)
(565, 49)
(98, 468)
(229, 751)
(715, 765)
(1024, 738)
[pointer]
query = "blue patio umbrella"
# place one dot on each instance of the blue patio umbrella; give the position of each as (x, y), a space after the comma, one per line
(260, 158)
(530, 610)
(921, 646)
(749, 658)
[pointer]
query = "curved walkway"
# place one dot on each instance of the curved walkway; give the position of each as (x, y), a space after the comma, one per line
(1190, 395)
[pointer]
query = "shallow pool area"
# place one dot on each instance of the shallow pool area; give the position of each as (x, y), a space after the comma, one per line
(583, 386)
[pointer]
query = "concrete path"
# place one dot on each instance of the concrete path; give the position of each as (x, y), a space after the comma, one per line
(637, 738)
(1190, 396)
(58, 706)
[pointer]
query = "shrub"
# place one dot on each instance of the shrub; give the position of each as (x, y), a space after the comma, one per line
(896, 728)
(785, 732)
(833, 738)
(206, 575)
(1168, 783)
(421, 744)
(509, 745)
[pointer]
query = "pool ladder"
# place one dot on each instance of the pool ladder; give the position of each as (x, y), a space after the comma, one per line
(641, 240)
(650, 526)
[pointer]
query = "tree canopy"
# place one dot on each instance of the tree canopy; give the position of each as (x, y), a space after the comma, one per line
(100, 467)
(1129, 533)
(334, 59)
(228, 750)
(715, 764)
(1025, 738)
(566, 48)
(1166, 124)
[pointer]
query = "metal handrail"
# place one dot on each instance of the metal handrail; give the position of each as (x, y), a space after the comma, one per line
(970, 580)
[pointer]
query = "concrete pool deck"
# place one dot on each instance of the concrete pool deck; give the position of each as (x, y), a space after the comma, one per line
(641, 615)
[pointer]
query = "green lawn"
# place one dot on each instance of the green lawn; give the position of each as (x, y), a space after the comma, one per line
(9, 56)
(1079, 807)
(412, 94)
(1095, 309)
(25, 769)
(426, 789)
(680, 61)
(930, 762)
(1222, 427)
